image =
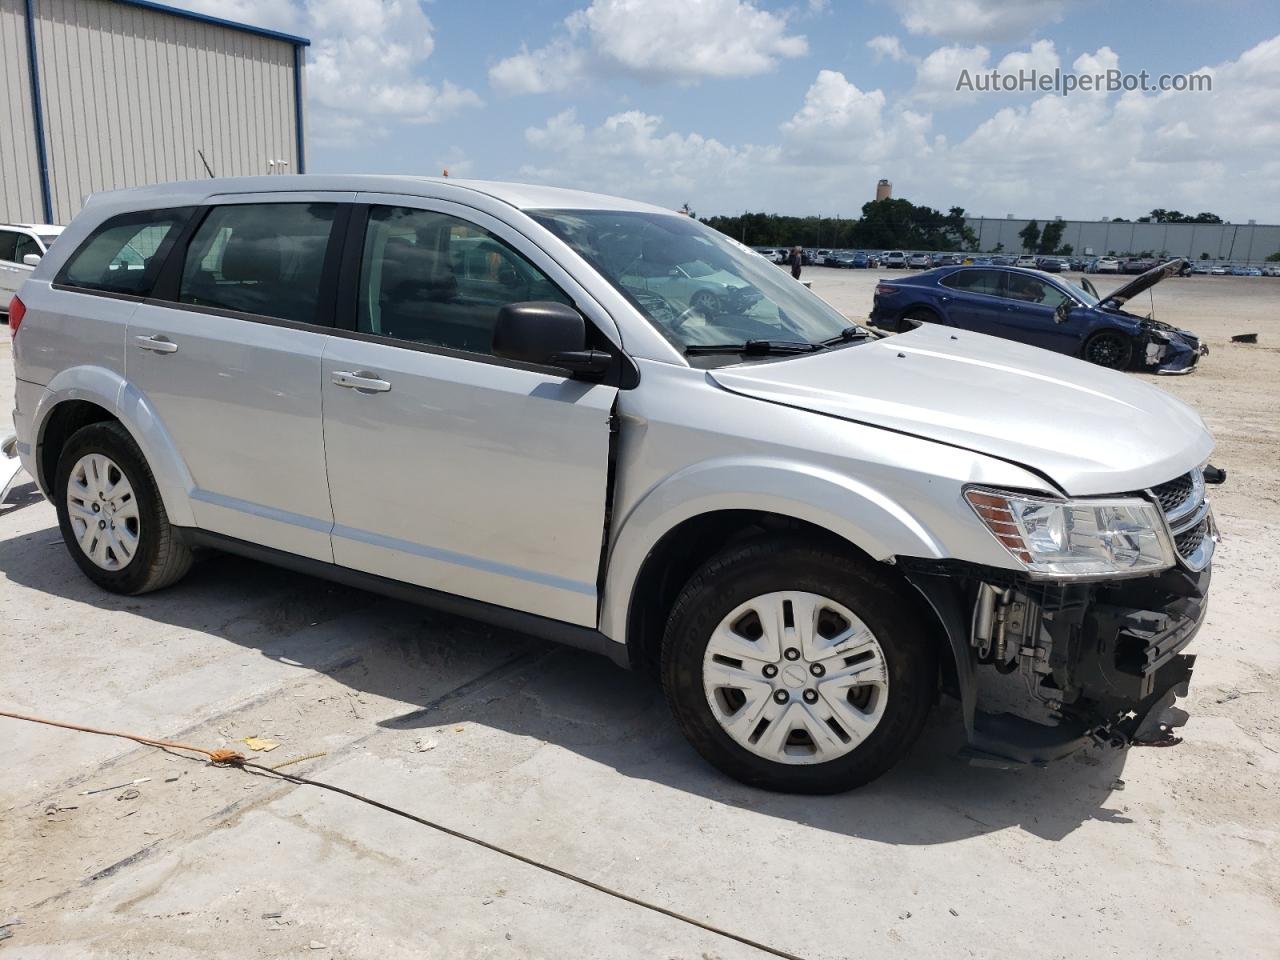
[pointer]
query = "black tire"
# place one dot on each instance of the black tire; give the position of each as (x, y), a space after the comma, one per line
(1110, 349)
(161, 558)
(795, 564)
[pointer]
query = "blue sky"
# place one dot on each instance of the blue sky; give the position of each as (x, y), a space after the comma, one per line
(799, 107)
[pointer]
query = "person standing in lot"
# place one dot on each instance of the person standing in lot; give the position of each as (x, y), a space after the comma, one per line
(797, 257)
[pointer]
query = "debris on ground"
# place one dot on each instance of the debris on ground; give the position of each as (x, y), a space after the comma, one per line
(129, 795)
(258, 744)
(1117, 784)
(118, 786)
(422, 745)
(1235, 695)
(1245, 338)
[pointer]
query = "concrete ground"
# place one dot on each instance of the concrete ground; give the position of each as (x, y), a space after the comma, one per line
(565, 758)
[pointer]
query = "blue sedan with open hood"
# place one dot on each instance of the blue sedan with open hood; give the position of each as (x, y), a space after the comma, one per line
(1043, 310)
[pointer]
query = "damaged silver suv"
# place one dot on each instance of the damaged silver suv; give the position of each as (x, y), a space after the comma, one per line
(607, 425)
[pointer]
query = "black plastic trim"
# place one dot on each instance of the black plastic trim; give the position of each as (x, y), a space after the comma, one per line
(544, 628)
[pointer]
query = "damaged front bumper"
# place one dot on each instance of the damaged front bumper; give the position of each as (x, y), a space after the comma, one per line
(1172, 352)
(1044, 669)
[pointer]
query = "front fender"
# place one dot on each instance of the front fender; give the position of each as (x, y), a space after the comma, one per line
(109, 390)
(864, 516)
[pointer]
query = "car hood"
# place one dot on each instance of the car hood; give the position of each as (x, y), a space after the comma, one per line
(1090, 430)
(1144, 281)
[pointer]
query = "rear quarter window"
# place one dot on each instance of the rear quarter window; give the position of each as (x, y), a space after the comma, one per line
(125, 253)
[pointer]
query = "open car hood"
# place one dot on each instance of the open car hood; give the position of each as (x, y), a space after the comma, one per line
(1144, 281)
(1091, 430)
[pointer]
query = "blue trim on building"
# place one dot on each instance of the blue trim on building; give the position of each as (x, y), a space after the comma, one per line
(218, 21)
(298, 59)
(37, 114)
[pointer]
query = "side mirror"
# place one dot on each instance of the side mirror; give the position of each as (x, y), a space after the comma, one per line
(1062, 312)
(31, 259)
(546, 333)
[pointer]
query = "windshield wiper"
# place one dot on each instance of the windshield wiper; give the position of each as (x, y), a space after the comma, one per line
(755, 348)
(848, 335)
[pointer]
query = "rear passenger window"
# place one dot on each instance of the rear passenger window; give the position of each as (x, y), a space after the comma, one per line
(975, 281)
(8, 244)
(432, 278)
(125, 253)
(259, 258)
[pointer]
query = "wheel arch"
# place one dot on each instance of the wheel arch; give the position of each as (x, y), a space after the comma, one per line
(681, 524)
(84, 395)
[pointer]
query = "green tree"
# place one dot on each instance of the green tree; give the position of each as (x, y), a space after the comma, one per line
(1050, 237)
(1274, 258)
(1066, 249)
(1030, 235)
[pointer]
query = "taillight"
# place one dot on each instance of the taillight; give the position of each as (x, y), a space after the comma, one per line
(17, 310)
(885, 289)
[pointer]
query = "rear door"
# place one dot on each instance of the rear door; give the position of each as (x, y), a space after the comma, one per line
(972, 300)
(449, 467)
(227, 353)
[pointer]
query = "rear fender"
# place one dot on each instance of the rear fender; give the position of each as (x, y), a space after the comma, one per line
(109, 390)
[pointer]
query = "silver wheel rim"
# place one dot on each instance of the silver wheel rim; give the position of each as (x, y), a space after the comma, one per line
(103, 511)
(795, 678)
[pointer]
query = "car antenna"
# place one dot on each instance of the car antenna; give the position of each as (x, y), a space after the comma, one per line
(207, 168)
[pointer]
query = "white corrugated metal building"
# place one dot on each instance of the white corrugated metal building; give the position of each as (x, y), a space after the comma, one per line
(101, 94)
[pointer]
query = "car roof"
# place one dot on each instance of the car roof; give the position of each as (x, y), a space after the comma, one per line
(523, 196)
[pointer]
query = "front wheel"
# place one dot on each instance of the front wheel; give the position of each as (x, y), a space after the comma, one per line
(797, 668)
(1109, 349)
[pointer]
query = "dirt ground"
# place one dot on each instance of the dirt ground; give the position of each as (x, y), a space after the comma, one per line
(565, 758)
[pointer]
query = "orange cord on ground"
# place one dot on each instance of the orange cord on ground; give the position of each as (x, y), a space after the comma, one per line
(220, 756)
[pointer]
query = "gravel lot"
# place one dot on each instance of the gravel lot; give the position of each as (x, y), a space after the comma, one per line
(563, 757)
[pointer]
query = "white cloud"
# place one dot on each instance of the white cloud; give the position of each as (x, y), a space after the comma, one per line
(887, 48)
(674, 40)
(630, 154)
(938, 74)
(988, 20)
(1085, 155)
(365, 64)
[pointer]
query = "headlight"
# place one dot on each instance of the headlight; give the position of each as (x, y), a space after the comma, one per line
(1061, 539)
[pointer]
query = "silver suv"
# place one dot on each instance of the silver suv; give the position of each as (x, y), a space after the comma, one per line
(510, 402)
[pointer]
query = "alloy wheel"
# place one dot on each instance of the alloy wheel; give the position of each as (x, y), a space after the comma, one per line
(795, 678)
(1105, 350)
(103, 511)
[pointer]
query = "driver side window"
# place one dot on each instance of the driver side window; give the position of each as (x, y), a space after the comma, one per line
(432, 278)
(1033, 290)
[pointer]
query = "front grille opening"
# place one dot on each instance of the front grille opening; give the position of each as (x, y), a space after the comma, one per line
(1189, 541)
(1174, 493)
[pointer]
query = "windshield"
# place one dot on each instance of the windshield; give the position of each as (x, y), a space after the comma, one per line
(698, 287)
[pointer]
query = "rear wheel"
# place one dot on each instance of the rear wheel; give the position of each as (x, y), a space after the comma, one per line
(1109, 349)
(794, 667)
(111, 516)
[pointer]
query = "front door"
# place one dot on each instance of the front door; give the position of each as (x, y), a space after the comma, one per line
(231, 367)
(449, 467)
(1030, 314)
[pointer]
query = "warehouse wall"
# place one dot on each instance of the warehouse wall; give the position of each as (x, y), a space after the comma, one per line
(130, 95)
(1236, 242)
(19, 175)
